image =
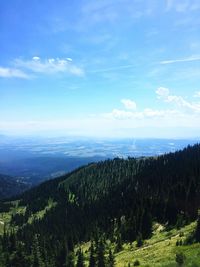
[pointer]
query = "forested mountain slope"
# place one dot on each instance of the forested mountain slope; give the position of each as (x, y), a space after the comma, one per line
(118, 199)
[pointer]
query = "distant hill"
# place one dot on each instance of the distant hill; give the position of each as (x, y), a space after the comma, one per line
(116, 200)
(10, 187)
(34, 170)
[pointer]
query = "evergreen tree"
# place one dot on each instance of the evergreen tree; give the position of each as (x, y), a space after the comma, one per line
(80, 260)
(36, 254)
(197, 231)
(111, 259)
(70, 262)
(146, 225)
(18, 258)
(92, 256)
(100, 255)
(180, 258)
(139, 240)
(118, 243)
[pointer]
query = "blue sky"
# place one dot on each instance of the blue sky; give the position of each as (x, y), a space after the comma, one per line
(104, 68)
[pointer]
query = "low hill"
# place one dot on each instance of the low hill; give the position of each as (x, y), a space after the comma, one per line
(10, 186)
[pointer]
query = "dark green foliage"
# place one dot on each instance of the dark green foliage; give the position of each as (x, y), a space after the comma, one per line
(118, 243)
(197, 231)
(136, 263)
(139, 240)
(92, 256)
(180, 258)
(146, 225)
(100, 254)
(180, 221)
(80, 260)
(70, 261)
(18, 258)
(179, 242)
(190, 239)
(111, 259)
(116, 199)
(37, 260)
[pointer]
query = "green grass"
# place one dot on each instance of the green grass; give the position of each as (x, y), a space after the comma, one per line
(5, 217)
(161, 250)
(40, 214)
(158, 251)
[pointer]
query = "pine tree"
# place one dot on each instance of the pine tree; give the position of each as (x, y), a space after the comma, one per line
(92, 256)
(146, 224)
(180, 258)
(118, 243)
(197, 231)
(18, 258)
(111, 259)
(100, 255)
(139, 240)
(70, 262)
(80, 260)
(36, 254)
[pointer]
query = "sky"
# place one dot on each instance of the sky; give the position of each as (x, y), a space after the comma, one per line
(103, 68)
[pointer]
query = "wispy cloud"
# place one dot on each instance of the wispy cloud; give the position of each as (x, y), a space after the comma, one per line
(25, 69)
(12, 73)
(188, 59)
(50, 66)
(182, 5)
(113, 68)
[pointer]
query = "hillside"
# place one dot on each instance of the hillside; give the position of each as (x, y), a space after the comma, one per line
(10, 186)
(117, 200)
(160, 250)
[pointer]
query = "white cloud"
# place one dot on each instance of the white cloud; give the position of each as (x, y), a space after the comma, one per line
(50, 66)
(69, 59)
(181, 113)
(12, 73)
(36, 58)
(164, 94)
(197, 94)
(188, 59)
(129, 104)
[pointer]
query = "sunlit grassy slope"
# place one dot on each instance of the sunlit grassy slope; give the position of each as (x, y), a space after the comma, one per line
(158, 251)
(5, 217)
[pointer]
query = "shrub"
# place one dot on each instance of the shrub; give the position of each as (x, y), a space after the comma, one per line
(136, 263)
(139, 240)
(180, 258)
(190, 239)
